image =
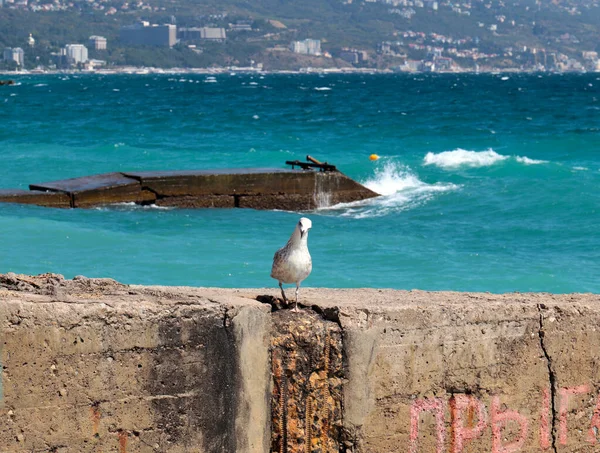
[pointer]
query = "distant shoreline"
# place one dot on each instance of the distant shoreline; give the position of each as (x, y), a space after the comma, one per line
(128, 70)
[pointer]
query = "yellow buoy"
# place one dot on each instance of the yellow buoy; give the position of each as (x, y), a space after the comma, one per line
(373, 157)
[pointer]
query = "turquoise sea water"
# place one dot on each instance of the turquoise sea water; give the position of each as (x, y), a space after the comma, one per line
(488, 182)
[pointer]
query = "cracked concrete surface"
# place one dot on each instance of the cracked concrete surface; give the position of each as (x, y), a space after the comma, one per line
(93, 365)
(551, 380)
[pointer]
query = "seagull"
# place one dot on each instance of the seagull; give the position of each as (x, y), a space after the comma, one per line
(292, 262)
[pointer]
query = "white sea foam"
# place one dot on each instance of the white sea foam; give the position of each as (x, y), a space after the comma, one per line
(323, 89)
(391, 179)
(132, 206)
(400, 189)
(527, 161)
(464, 158)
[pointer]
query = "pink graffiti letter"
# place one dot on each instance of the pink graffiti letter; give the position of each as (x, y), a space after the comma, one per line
(565, 393)
(595, 425)
(435, 405)
(544, 420)
(460, 404)
(499, 420)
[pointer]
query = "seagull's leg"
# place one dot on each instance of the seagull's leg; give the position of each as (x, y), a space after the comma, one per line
(297, 291)
(282, 293)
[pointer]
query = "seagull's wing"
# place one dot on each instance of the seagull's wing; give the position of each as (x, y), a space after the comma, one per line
(278, 259)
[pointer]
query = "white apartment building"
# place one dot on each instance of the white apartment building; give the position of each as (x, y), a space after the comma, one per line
(15, 54)
(307, 47)
(76, 53)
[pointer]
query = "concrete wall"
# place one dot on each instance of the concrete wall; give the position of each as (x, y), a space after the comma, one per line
(227, 188)
(91, 365)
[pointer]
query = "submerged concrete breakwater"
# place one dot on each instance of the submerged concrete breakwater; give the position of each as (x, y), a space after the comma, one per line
(256, 188)
(92, 365)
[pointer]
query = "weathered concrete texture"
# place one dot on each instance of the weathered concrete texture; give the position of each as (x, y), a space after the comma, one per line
(307, 369)
(93, 365)
(464, 372)
(218, 182)
(49, 199)
(98, 189)
(206, 201)
(226, 188)
(571, 344)
(252, 188)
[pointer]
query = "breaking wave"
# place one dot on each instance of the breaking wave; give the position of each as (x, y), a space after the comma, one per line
(400, 189)
(528, 161)
(132, 206)
(465, 158)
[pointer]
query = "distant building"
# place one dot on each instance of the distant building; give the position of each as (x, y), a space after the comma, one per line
(307, 47)
(15, 54)
(354, 56)
(188, 33)
(97, 42)
(198, 33)
(412, 65)
(214, 34)
(30, 41)
(434, 52)
(144, 34)
(241, 25)
(75, 53)
(443, 63)
(202, 33)
(90, 65)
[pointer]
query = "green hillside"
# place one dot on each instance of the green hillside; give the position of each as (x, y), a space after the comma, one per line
(485, 27)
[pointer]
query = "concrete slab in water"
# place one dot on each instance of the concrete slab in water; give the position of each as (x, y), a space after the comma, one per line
(258, 188)
(98, 189)
(49, 199)
(242, 181)
(193, 202)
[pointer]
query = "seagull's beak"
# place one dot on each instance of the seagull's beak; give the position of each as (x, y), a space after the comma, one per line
(303, 231)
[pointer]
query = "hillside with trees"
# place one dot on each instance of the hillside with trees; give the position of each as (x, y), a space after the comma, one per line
(474, 32)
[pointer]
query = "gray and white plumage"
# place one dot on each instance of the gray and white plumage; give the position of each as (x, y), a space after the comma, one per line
(292, 262)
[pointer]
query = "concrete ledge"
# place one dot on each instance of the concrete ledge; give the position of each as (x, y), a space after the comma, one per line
(41, 198)
(96, 190)
(257, 188)
(93, 365)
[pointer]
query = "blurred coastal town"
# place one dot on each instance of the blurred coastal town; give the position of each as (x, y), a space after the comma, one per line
(420, 36)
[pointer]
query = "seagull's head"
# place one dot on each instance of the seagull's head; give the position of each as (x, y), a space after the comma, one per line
(304, 225)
